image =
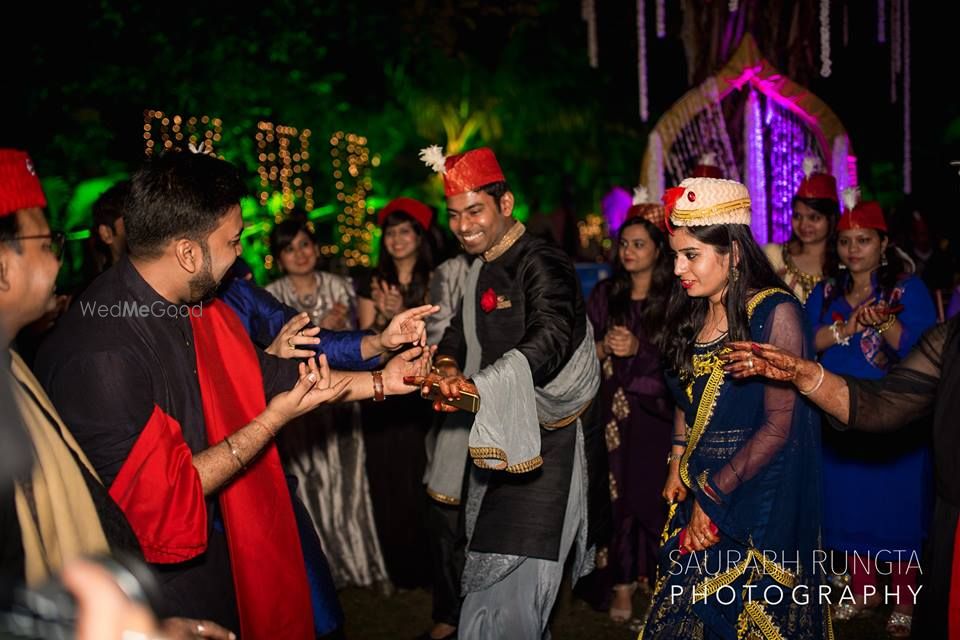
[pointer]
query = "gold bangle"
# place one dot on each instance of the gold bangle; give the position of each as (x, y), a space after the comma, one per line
(673, 456)
(235, 452)
(270, 433)
(445, 360)
(816, 386)
(885, 325)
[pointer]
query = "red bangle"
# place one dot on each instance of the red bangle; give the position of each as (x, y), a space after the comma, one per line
(378, 386)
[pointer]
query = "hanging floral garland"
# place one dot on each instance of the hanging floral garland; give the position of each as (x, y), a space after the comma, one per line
(894, 48)
(642, 58)
(588, 12)
(825, 63)
(881, 21)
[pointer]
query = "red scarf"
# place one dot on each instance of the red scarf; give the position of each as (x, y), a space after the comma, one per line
(273, 596)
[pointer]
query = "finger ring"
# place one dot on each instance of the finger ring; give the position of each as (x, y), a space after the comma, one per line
(290, 343)
(750, 362)
(199, 628)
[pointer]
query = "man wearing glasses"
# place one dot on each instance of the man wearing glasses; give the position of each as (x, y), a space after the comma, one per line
(50, 516)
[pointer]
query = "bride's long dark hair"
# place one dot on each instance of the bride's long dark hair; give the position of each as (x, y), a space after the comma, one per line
(685, 315)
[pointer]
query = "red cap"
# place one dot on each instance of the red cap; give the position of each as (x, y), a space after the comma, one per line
(19, 185)
(818, 186)
(651, 211)
(707, 167)
(416, 209)
(470, 170)
(866, 215)
(706, 171)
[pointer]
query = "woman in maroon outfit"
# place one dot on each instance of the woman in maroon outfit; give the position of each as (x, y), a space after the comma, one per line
(625, 311)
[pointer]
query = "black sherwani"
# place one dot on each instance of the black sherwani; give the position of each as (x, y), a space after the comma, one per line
(541, 314)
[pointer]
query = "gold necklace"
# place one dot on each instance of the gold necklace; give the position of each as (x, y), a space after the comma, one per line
(805, 280)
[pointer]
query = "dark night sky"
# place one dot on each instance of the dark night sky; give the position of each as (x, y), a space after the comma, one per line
(361, 39)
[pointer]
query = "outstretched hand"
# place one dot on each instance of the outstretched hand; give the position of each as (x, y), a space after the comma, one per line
(293, 336)
(747, 359)
(407, 327)
(314, 387)
(408, 365)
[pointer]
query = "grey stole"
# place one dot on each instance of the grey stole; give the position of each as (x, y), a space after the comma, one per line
(444, 477)
(508, 397)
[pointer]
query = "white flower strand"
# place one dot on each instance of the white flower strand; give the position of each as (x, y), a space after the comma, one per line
(894, 48)
(881, 21)
(589, 13)
(642, 58)
(825, 38)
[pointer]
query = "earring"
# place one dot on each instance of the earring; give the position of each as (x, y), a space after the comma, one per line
(841, 266)
(883, 260)
(734, 274)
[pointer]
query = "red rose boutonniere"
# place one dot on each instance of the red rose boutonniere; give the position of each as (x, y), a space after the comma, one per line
(488, 301)
(837, 317)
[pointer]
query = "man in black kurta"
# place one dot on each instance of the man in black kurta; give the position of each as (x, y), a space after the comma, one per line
(169, 399)
(522, 302)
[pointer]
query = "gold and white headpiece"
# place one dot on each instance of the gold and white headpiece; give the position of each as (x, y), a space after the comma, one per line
(706, 201)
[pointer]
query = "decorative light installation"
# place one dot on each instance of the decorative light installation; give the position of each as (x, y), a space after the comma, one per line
(844, 165)
(165, 131)
(754, 167)
(284, 156)
(789, 142)
(588, 12)
(642, 57)
(351, 162)
(704, 132)
(614, 207)
(591, 231)
(661, 19)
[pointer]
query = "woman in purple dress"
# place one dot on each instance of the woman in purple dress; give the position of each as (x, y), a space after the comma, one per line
(626, 310)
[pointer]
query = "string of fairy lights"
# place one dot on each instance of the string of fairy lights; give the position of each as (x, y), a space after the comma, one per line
(351, 161)
(283, 153)
(284, 171)
(167, 131)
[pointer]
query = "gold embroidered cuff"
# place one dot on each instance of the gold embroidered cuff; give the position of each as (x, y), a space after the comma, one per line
(523, 467)
(439, 497)
(481, 456)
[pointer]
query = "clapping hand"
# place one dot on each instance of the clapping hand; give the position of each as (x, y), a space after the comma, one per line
(336, 318)
(387, 298)
(876, 314)
(621, 342)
